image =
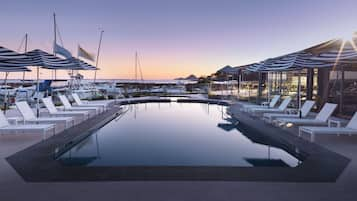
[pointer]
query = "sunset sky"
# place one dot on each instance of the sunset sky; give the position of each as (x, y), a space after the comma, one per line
(176, 38)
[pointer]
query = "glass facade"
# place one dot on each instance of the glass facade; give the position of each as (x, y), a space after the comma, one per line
(322, 85)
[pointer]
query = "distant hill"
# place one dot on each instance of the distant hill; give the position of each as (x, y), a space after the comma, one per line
(190, 77)
(226, 69)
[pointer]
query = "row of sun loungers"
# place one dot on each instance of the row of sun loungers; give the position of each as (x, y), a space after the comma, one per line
(351, 128)
(304, 111)
(320, 124)
(283, 106)
(43, 125)
(271, 104)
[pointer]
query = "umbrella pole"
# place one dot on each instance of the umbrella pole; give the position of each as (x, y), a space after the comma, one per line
(5, 95)
(23, 78)
(239, 84)
(38, 93)
(299, 93)
(268, 87)
(341, 89)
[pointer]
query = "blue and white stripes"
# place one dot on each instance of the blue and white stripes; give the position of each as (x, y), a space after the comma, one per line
(11, 61)
(328, 54)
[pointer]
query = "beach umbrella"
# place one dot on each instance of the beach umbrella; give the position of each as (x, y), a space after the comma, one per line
(81, 65)
(295, 61)
(7, 54)
(9, 63)
(332, 49)
(42, 59)
(328, 54)
(342, 53)
(46, 60)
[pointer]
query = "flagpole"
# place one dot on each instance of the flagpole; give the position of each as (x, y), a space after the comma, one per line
(96, 62)
(38, 92)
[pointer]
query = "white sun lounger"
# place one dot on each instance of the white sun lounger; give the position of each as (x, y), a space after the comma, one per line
(67, 106)
(320, 119)
(272, 104)
(282, 107)
(305, 109)
(350, 129)
(53, 110)
(29, 116)
(6, 127)
(81, 103)
(107, 102)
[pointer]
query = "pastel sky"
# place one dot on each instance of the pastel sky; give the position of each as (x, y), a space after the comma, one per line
(176, 37)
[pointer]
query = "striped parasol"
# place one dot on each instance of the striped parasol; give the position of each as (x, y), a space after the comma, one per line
(6, 54)
(335, 51)
(81, 65)
(43, 59)
(11, 61)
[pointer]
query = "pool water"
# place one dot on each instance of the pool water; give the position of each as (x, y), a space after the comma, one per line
(174, 134)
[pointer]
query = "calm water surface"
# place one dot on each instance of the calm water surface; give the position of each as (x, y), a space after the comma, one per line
(174, 134)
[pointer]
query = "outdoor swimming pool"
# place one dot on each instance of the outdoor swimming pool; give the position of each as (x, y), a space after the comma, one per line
(174, 134)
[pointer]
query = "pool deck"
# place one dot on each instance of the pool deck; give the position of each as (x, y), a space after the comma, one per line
(13, 187)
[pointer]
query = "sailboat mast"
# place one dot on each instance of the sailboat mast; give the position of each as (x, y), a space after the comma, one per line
(98, 52)
(136, 66)
(139, 67)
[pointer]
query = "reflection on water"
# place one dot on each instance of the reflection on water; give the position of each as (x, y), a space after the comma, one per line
(174, 134)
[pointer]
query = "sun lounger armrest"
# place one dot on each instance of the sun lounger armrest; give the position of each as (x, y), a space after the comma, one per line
(331, 122)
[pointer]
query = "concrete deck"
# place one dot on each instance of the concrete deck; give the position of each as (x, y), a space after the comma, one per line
(13, 187)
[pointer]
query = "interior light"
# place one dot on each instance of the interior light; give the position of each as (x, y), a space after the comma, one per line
(289, 125)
